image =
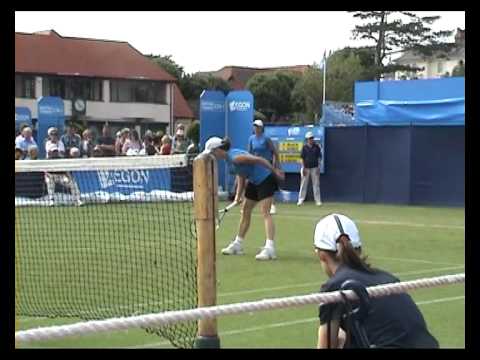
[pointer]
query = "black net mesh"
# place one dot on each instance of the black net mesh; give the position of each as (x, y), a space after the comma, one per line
(103, 238)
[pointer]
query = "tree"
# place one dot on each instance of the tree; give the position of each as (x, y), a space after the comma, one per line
(343, 69)
(459, 69)
(272, 92)
(193, 132)
(307, 96)
(391, 34)
(167, 64)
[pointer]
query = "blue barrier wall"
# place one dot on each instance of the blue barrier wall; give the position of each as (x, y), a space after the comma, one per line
(411, 102)
(395, 165)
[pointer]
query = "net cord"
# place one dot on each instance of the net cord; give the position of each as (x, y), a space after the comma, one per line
(169, 317)
(102, 163)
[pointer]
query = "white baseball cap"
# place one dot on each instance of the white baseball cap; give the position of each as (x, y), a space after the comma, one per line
(328, 231)
(52, 130)
(309, 135)
(258, 123)
(211, 144)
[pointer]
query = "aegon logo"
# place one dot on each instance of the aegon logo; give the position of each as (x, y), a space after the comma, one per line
(294, 131)
(47, 109)
(123, 178)
(239, 105)
(212, 106)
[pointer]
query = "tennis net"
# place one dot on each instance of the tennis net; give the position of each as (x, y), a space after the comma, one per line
(106, 237)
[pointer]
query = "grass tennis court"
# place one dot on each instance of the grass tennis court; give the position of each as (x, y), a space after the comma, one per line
(411, 242)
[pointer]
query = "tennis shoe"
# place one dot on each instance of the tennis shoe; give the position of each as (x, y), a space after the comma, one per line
(266, 253)
(233, 248)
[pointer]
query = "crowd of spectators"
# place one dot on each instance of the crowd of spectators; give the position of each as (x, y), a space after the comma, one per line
(127, 142)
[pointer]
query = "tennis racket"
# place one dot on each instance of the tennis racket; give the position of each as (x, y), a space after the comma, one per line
(223, 212)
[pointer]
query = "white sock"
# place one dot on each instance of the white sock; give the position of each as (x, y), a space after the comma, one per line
(269, 244)
(238, 240)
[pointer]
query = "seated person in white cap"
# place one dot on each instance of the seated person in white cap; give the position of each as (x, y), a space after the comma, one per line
(262, 183)
(392, 322)
(54, 142)
(61, 177)
(261, 145)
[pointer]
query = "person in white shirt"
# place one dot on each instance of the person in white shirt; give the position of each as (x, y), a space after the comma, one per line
(54, 142)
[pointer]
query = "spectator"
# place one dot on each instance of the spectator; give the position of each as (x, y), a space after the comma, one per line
(87, 146)
(97, 152)
(157, 143)
(311, 157)
(32, 153)
(180, 142)
(70, 139)
(63, 178)
(166, 148)
(124, 134)
(106, 142)
(25, 140)
(54, 144)
(132, 145)
(18, 153)
(75, 152)
(18, 135)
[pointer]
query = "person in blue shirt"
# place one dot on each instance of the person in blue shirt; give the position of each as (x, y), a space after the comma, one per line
(25, 140)
(262, 179)
(261, 145)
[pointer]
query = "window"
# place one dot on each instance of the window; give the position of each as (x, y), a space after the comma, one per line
(54, 86)
(138, 91)
(25, 86)
(70, 88)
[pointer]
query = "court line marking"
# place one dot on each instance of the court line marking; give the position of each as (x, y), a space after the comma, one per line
(372, 222)
(288, 323)
(253, 291)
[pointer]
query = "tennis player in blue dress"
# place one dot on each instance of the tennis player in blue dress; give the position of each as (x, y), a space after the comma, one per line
(263, 180)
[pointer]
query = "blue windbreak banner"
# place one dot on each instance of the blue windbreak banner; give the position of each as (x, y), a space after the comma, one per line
(411, 102)
(289, 141)
(239, 109)
(123, 181)
(212, 122)
(51, 112)
(22, 116)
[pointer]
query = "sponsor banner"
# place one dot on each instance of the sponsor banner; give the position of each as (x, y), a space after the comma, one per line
(289, 141)
(51, 112)
(123, 181)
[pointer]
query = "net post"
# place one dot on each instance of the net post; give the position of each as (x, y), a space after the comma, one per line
(205, 185)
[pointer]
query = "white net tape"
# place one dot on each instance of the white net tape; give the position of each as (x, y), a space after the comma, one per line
(102, 163)
(157, 320)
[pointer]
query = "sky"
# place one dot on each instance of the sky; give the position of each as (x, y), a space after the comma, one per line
(207, 41)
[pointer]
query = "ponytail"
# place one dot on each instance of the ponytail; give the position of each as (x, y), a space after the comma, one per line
(347, 255)
(226, 144)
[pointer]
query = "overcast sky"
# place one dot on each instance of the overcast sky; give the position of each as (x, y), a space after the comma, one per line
(206, 41)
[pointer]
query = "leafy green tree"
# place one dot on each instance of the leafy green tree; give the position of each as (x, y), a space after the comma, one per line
(343, 69)
(193, 132)
(168, 64)
(397, 31)
(272, 92)
(307, 96)
(459, 69)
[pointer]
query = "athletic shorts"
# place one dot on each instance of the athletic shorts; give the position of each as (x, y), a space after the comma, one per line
(262, 191)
